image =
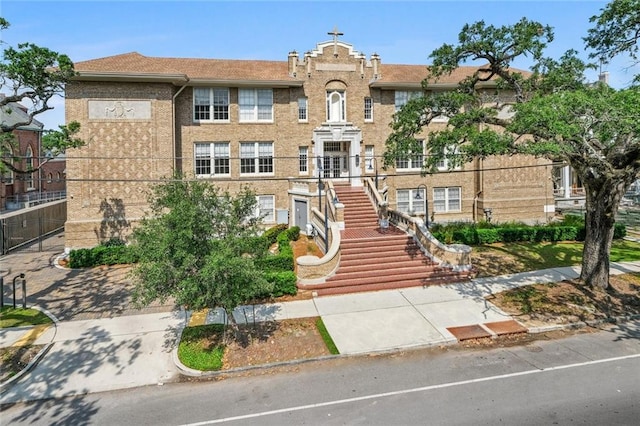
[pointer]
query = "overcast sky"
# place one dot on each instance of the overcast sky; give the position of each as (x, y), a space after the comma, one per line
(400, 32)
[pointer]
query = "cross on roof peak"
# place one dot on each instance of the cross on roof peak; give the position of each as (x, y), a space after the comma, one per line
(335, 33)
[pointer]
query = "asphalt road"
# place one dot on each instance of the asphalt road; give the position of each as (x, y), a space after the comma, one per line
(588, 378)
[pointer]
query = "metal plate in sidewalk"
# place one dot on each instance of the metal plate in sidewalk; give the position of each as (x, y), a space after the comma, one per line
(467, 332)
(505, 327)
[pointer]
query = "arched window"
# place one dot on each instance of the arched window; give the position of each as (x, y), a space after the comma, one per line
(7, 174)
(336, 106)
(28, 165)
(49, 178)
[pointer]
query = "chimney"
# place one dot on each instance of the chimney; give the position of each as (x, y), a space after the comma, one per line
(293, 63)
(604, 77)
(307, 59)
(375, 60)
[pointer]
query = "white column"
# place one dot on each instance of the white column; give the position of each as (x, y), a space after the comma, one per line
(566, 181)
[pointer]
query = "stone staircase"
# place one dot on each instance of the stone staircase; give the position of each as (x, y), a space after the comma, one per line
(375, 259)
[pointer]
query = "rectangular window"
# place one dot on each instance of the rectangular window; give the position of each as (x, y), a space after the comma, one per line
(411, 161)
(302, 109)
(303, 155)
(266, 208)
(369, 159)
(403, 96)
(256, 157)
(368, 109)
(210, 104)
(256, 105)
(446, 164)
(447, 199)
(212, 158)
(411, 201)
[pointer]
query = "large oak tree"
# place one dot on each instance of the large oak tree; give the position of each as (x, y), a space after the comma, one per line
(550, 112)
(32, 76)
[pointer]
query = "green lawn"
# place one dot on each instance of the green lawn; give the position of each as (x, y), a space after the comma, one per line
(201, 347)
(500, 259)
(19, 317)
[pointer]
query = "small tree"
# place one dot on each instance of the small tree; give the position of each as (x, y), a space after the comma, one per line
(33, 75)
(192, 247)
(554, 114)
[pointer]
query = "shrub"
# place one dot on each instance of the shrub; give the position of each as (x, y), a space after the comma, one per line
(275, 263)
(293, 233)
(283, 283)
(271, 234)
(102, 255)
(570, 229)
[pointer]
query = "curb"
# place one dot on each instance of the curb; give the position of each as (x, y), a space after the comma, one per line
(190, 372)
(6, 385)
(582, 324)
(186, 371)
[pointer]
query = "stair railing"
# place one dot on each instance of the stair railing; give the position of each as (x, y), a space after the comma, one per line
(455, 256)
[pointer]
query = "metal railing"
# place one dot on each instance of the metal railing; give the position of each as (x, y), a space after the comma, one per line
(30, 199)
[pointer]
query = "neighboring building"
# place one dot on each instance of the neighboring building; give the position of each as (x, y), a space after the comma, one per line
(25, 154)
(275, 125)
(47, 182)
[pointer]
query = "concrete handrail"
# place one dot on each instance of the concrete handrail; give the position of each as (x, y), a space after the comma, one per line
(315, 270)
(456, 256)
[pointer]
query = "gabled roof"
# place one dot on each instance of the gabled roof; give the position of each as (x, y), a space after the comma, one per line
(134, 66)
(13, 113)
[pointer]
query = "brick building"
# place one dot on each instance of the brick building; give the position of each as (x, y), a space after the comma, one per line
(275, 125)
(48, 178)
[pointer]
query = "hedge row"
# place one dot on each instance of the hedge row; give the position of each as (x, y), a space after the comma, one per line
(102, 255)
(472, 235)
(278, 268)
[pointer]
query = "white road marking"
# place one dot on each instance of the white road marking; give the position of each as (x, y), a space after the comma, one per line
(407, 391)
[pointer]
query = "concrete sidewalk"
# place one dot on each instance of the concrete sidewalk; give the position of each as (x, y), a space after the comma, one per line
(103, 354)
(404, 318)
(99, 355)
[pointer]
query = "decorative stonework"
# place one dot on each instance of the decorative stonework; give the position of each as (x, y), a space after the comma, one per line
(335, 67)
(120, 110)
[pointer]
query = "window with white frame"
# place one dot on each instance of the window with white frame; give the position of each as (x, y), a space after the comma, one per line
(50, 178)
(303, 155)
(265, 208)
(411, 201)
(210, 104)
(256, 157)
(28, 165)
(369, 158)
(255, 105)
(411, 161)
(447, 199)
(368, 109)
(403, 96)
(444, 163)
(336, 106)
(212, 158)
(302, 109)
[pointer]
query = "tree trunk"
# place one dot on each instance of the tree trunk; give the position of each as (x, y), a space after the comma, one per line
(602, 203)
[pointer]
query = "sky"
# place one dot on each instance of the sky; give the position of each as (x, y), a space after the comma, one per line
(401, 32)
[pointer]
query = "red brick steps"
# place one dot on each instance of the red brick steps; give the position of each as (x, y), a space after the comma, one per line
(374, 260)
